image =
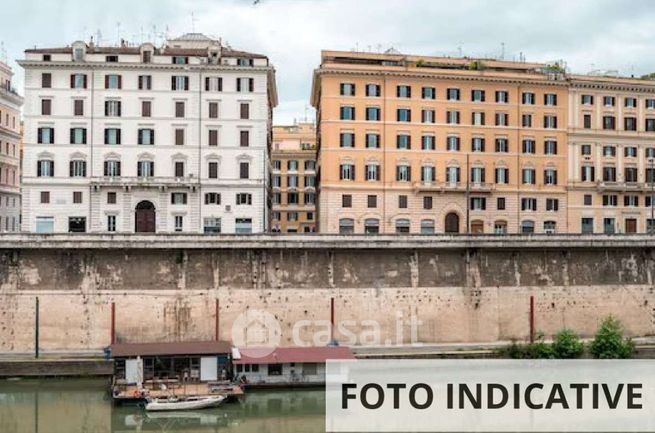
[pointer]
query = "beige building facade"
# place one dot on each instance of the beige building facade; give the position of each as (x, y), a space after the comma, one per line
(414, 144)
(10, 152)
(293, 179)
(611, 154)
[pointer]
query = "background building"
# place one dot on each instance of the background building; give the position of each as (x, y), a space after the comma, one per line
(611, 154)
(415, 144)
(10, 150)
(144, 138)
(293, 178)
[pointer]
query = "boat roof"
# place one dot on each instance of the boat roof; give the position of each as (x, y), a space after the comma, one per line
(280, 355)
(126, 350)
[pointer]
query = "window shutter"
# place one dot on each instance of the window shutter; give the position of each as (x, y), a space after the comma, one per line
(140, 81)
(186, 83)
(106, 81)
(119, 108)
(70, 168)
(173, 83)
(238, 84)
(140, 136)
(38, 168)
(118, 136)
(72, 81)
(106, 136)
(120, 81)
(206, 84)
(251, 84)
(220, 84)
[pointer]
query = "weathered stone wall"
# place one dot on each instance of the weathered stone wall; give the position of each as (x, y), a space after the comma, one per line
(461, 291)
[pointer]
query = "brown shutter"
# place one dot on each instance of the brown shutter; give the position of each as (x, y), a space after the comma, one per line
(106, 81)
(72, 81)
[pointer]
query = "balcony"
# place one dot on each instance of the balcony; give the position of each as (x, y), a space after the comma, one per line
(473, 187)
(144, 181)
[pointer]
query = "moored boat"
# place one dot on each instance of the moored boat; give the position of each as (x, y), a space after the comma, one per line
(188, 403)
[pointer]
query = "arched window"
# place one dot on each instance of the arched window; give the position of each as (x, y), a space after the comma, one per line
(427, 227)
(527, 227)
(402, 226)
(346, 226)
(372, 225)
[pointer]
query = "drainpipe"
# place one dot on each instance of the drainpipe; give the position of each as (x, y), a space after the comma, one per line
(36, 329)
(531, 319)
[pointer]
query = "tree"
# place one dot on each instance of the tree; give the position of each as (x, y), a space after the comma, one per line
(567, 345)
(609, 342)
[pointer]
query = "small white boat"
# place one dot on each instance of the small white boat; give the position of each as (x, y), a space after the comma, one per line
(186, 403)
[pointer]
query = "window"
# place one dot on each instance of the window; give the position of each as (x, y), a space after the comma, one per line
(587, 225)
(213, 84)
(550, 147)
(45, 168)
(402, 202)
(244, 110)
(630, 174)
(550, 122)
(212, 198)
(212, 171)
(244, 138)
(244, 198)
(403, 173)
(371, 226)
(427, 142)
(372, 140)
(77, 168)
(630, 152)
(550, 99)
(213, 137)
(146, 108)
(477, 95)
(587, 100)
(428, 93)
(427, 116)
(453, 94)
(46, 107)
(45, 197)
(372, 90)
(500, 203)
(403, 91)
(145, 82)
(630, 102)
(346, 226)
(347, 172)
(502, 119)
(610, 200)
(111, 197)
(179, 82)
(347, 113)
(76, 224)
(179, 168)
(113, 108)
(609, 226)
(550, 176)
(650, 125)
(502, 97)
(585, 149)
(526, 120)
(112, 136)
(631, 201)
(245, 85)
(552, 204)
(587, 173)
(146, 136)
(310, 165)
(78, 107)
(113, 81)
(452, 117)
(477, 144)
(244, 170)
(609, 122)
(529, 146)
(145, 168)
(630, 123)
(587, 200)
(609, 151)
(78, 136)
(46, 135)
(347, 89)
(528, 176)
(650, 104)
(528, 98)
(586, 120)
(292, 165)
(244, 225)
(402, 226)
(502, 175)
(111, 223)
(112, 168)
(404, 115)
(452, 143)
(179, 109)
(347, 139)
(179, 223)
(178, 198)
(452, 174)
(372, 172)
(310, 198)
(478, 203)
(403, 141)
(346, 200)
(427, 227)
(477, 174)
(528, 204)
(372, 113)
(477, 118)
(111, 59)
(46, 80)
(427, 202)
(179, 137)
(213, 110)
(608, 101)
(372, 201)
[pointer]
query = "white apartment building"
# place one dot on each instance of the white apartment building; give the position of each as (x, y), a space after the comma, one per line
(10, 141)
(147, 139)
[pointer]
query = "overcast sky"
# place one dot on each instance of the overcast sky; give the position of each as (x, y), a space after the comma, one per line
(587, 34)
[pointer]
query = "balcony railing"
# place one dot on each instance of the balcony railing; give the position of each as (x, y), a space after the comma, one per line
(474, 187)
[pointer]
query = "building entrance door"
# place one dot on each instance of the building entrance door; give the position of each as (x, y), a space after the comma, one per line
(452, 223)
(145, 217)
(630, 225)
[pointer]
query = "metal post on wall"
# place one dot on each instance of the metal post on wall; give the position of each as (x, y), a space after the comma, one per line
(36, 328)
(531, 319)
(113, 323)
(216, 324)
(332, 321)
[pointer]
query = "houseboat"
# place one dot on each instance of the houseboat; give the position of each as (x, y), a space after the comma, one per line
(285, 366)
(145, 371)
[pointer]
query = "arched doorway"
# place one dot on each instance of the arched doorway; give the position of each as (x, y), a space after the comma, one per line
(452, 223)
(144, 221)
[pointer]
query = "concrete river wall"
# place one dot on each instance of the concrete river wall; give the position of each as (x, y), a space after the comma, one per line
(457, 289)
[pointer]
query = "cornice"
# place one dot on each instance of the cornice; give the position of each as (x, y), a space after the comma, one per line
(141, 66)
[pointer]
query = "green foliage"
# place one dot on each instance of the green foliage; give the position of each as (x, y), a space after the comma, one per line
(650, 76)
(476, 65)
(567, 345)
(609, 342)
(420, 63)
(537, 350)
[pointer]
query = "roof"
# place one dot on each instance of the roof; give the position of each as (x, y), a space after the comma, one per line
(264, 355)
(165, 51)
(192, 37)
(122, 350)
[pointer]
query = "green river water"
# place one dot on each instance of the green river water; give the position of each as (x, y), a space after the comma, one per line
(83, 405)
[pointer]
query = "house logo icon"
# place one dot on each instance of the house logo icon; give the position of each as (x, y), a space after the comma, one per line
(257, 328)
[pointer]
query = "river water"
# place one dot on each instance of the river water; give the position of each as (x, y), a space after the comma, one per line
(83, 405)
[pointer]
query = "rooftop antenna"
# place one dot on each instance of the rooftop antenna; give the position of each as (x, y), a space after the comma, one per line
(118, 33)
(193, 22)
(459, 51)
(98, 37)
(306, 108)
(502, 50)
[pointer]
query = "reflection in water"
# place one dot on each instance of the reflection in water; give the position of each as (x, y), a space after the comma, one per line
(83, 405)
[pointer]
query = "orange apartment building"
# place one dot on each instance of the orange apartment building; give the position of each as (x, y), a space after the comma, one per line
(293, 178)
(418, 144)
